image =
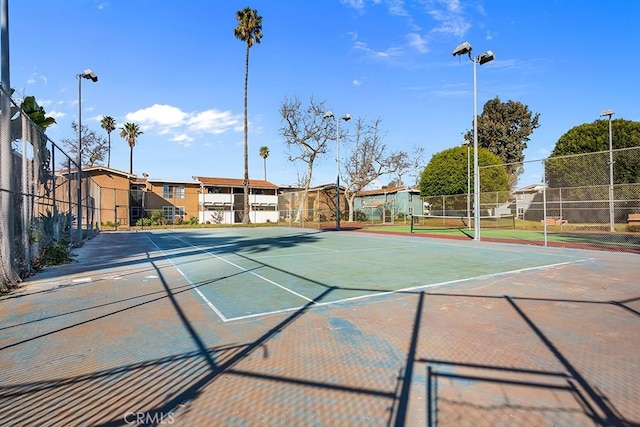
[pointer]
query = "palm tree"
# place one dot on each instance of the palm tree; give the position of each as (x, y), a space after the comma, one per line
(108, 123)
(249, 30)
(264, 153)
(130, 132)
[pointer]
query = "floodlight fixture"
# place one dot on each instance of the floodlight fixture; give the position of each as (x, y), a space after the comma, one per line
(462, 49)
(328, 115)
(607, 112)
(346, 117)
(89, 75)
(485, 57)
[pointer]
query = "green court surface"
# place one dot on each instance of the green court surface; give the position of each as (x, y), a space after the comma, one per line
(250, 272)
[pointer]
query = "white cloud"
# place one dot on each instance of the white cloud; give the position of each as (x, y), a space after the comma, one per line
(449, 17)
(56, 114)
(354, 4)
(162, 116)
(356, 82)
(418, 42)
(380, 54)
(213, 121)
(183, 139)
(183, 127)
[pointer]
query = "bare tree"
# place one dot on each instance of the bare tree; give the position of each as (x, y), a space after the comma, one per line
(305, 135)
(94, 146)
(407, 164)
(367, 161)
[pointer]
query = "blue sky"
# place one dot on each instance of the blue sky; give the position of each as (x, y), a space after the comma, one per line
(176, 69)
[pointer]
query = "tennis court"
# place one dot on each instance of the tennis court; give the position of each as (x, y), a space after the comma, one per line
(283, 326)
(285, 271)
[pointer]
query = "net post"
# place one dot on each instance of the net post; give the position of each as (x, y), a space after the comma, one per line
(411, 220)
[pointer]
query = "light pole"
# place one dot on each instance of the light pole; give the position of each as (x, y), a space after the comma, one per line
(468, 144)
(346, 117)
(612, 222)
(90, 75)
(483, 58)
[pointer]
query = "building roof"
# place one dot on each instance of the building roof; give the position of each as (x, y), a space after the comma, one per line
(97, 168)
(530, 188)
(387, 191)
(233, 182)
(374, 204)
(170, 181)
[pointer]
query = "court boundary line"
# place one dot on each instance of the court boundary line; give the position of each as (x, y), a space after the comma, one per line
(413, 288)
(193, 286)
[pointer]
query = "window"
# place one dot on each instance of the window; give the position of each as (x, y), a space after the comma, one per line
(170, 212)
(410, 210)
(137, 212)
(173, 191)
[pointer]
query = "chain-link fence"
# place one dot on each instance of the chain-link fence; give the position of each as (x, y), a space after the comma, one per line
(585, 200)
(42, 195)
(312, 208)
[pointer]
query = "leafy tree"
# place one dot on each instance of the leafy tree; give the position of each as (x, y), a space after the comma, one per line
(130, 132)
(108, 123)
(94, 146)
(249, 30)
(504, 129)
(588, 146)
(305, 134)
(36, 113)
(368, 160)
(264, 153)
(446, 173)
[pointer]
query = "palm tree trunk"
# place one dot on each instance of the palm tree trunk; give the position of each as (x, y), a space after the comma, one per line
(265, 168)
(109, 153)
(131, 159)
(245, 216)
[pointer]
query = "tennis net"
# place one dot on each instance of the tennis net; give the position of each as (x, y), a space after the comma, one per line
(449, 222)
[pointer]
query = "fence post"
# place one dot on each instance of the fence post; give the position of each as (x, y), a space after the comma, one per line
(544, 200)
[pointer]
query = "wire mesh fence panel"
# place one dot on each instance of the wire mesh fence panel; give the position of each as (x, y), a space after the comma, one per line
(582, 199)
(315, 207)
(41, 195)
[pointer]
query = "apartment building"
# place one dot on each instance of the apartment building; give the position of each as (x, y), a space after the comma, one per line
(221, 200)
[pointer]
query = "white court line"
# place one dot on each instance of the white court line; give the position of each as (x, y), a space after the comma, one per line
(414, 288)
(246, 270)
(204, 298)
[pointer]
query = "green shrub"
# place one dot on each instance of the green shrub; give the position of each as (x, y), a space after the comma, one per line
(144, 222)
(55, 253)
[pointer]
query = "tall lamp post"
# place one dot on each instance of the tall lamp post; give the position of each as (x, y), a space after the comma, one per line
(346, 117)
(89, 75)
(468, 144)
(483, 58)
(612, 222)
